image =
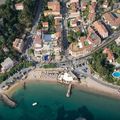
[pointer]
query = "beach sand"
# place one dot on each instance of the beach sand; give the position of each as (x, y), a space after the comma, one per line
(88, 85)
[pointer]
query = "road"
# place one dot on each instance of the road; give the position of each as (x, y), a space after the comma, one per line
(29, 40)
(64, 41)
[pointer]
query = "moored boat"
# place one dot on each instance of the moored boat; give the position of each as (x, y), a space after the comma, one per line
(34, 104)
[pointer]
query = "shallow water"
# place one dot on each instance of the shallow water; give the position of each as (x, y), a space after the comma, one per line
(53, 104)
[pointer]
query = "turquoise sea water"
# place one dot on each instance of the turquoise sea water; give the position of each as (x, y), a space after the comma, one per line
(53, 104)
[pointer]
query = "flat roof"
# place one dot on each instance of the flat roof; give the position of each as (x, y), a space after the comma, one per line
(2, 2)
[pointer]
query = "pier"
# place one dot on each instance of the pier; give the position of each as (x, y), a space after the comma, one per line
(69, 90)
(7, 100)
(24, 85)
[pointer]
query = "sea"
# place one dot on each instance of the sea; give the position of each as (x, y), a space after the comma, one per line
(52, 104)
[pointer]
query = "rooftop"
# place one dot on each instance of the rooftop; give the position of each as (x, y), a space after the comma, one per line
(100, 28)
(114, 21)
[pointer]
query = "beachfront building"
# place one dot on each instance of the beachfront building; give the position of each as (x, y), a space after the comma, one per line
(101, 29)
(111, 20)
(19, 6)
(50, 44)
(67, 77)
(46, 44)
(7, 64)
(37, 44)
(18, 45)
(75, 22)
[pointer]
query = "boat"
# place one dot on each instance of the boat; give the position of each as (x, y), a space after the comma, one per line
(34, 104)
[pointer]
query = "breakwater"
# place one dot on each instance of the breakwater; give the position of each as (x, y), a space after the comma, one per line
(7, 100)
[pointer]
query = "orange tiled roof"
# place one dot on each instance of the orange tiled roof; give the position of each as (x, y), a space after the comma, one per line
(110, 55)
(100, 27)
(111, 19)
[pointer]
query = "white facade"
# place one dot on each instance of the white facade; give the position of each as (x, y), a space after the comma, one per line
(104, 35)
(7, 64)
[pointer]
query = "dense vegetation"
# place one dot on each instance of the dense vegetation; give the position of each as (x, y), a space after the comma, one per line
(100, 64)
(13, 24)
(116, 50)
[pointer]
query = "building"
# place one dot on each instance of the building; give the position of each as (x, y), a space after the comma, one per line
(7, 64)
(2, 2)
(81, 48)
(37, 44)
(101, 29)
(19, 6)
(93, 37)
(75, 22)
(58, 22)
(110, 56)
(45, 24)
(92, 12)
(18, 45)
(111, 20)
(53, 9)
(85, 44)
(67, 77)
(73, 7)
(105, 4)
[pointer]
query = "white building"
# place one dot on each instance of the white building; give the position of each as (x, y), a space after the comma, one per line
(118, 41)
(7, 64)
(38, 44)
(67, 77)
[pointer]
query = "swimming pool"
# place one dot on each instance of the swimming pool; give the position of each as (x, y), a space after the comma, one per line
(116, 74)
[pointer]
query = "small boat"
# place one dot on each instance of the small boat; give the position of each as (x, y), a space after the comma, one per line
(34, 104)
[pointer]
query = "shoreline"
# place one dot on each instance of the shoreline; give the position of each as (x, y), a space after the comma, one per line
(84, 88)
(89, 86)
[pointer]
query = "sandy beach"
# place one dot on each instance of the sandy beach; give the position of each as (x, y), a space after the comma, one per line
(87, 85)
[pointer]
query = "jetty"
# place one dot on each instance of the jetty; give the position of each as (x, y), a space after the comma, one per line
(7, 100)
(69, 90)
(24, 85)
